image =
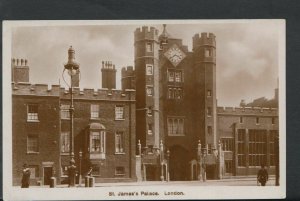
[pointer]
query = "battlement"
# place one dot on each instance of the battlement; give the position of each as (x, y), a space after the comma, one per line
(258, 111)
(29, 89)
(107, 65)
(146, 33)
(19, 62)
(22, 88)
(98, 94)
(208, 39)
(127, 71)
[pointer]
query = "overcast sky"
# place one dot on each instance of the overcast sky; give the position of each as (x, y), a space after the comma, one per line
(247, 54)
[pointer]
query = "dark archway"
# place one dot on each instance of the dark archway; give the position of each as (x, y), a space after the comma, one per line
(179, 164)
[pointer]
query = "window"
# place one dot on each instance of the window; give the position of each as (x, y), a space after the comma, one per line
(65, 111)
(171, 93)
(227, 144)
(209, 93)
(175, 126)
(119, 112)
(257, 120)
(120, 171)
(178, 76)
(257, 147)
(209, 111)
(175, 93)
(171, 76)
(149, 69)
(208, 53)
(32, 112)
(273, 134)
(149, 111)
(150, 129)
(241, 120)
(179, 93)
(65, 142)
(241, 147)
(175, 75)
(149, 47)
(32, 144)
(209, 130)
(97, 143)
(34, 171)
(149, 91)
(94, 111)
(119, 142)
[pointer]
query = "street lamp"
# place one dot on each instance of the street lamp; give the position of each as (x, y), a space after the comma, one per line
(168, 165)
(80, 158)
(204, 152)
(162, 160)
(199, 160)
(73, 69)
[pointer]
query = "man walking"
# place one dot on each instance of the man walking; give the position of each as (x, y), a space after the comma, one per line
(26, 176)
(262, 176)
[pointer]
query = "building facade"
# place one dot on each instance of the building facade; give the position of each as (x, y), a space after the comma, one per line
(104, 131)
(163, 125)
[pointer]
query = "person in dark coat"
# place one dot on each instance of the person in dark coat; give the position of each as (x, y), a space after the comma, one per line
(262, 176)
(25, 177)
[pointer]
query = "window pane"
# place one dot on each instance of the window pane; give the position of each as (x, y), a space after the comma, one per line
(32, 144)
(94, 111)
(149, 70)
(65, 111)
(32, 112)
(119, 112)
(119, 142)
(65, 142)
(171, 76)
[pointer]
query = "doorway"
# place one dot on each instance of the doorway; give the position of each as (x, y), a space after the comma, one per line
(47, 175)
(179, 164)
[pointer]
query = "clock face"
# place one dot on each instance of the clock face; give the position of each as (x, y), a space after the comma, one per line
(175, 55)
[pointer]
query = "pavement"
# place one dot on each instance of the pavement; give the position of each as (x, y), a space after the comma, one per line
(232, 181)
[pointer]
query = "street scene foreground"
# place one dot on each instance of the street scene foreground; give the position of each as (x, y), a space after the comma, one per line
(243, 181)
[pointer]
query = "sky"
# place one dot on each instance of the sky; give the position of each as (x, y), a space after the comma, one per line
(247, 53)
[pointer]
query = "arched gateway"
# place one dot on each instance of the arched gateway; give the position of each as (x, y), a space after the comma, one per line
(179, 163)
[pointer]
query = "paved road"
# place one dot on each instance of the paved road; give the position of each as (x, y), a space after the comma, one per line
(223, 182)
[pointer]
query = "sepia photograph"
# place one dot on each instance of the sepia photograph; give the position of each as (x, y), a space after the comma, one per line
(144, 109)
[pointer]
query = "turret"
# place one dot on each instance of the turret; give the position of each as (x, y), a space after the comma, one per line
(128, 78)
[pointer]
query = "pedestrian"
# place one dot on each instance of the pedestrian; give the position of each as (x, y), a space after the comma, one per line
(25, 176)
(90, 171)
(262, 176)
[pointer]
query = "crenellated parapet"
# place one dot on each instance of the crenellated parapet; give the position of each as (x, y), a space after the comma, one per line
(98, 94)
(244, 111)
(127, 71)
(146, 33)
(28, 89)
(205, 39)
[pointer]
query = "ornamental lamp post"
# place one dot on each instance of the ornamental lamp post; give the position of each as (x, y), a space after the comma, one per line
(72, 68)
(80, 158)
(199, 159)
(168, 165)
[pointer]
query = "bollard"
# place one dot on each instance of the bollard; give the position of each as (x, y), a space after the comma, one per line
(86, 181)
(52, 182)
(91, 181)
